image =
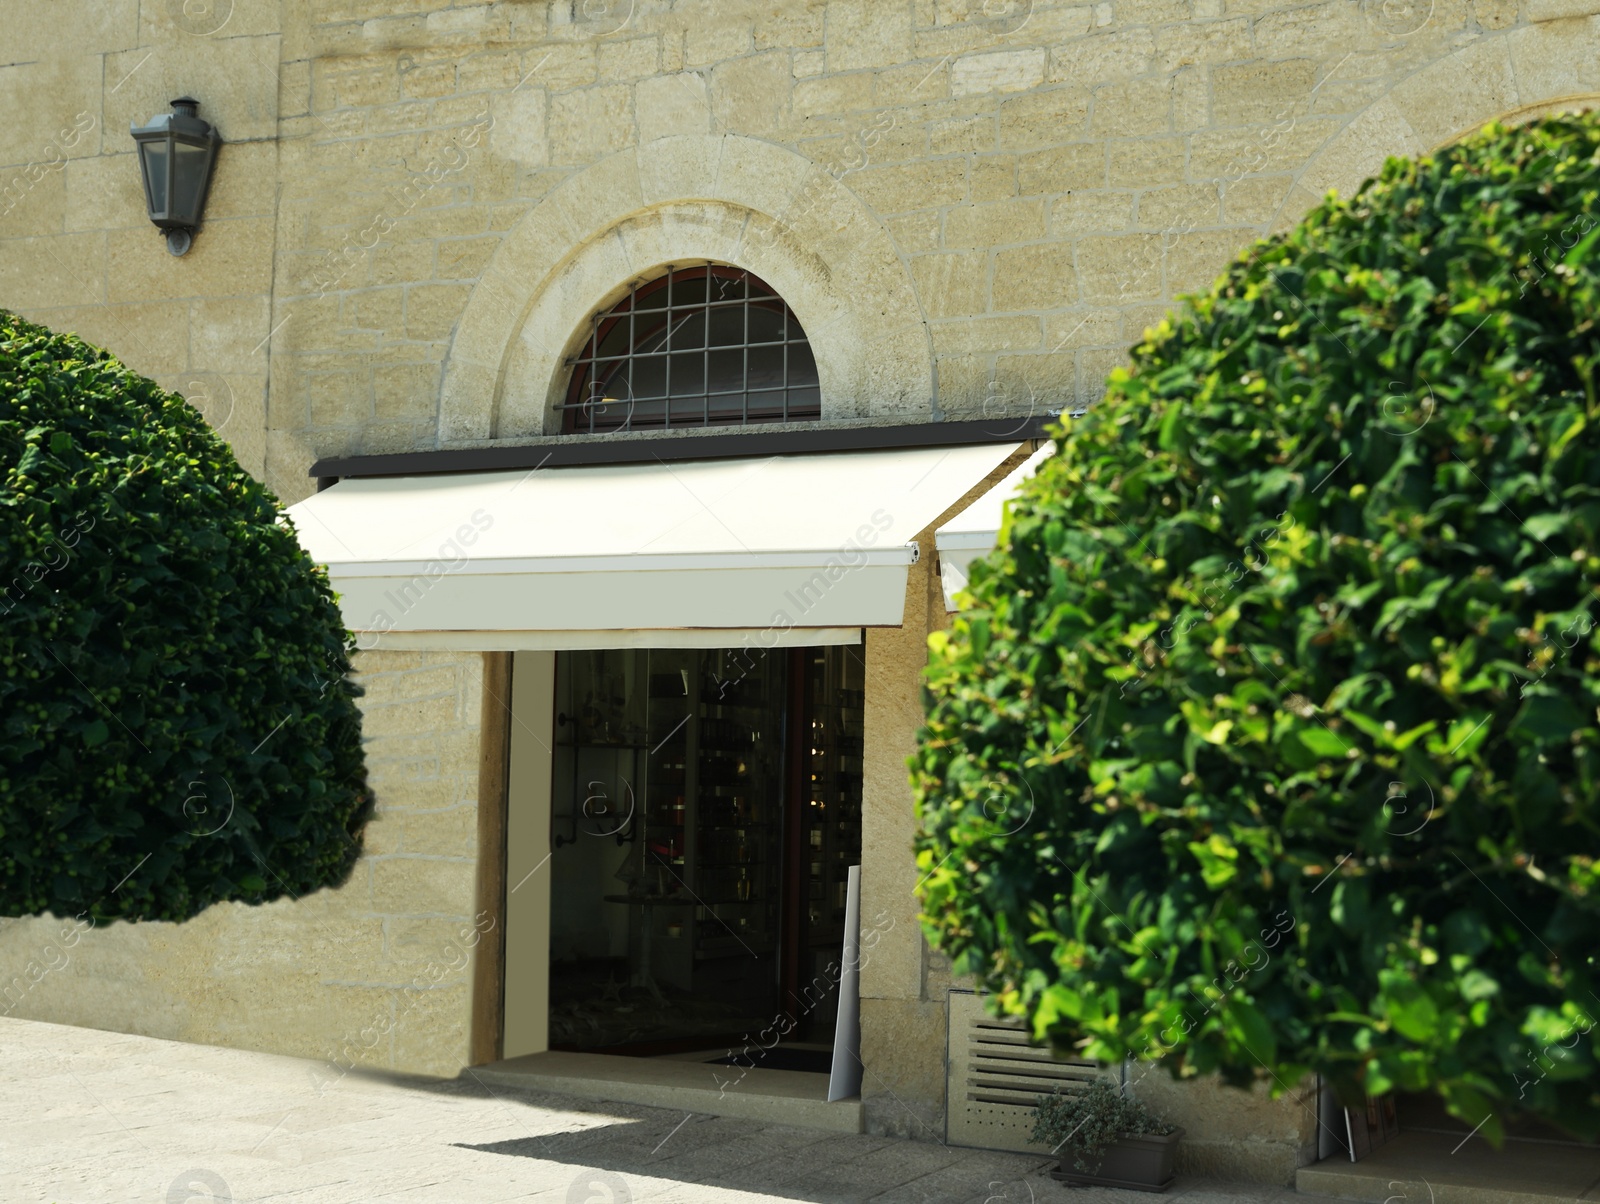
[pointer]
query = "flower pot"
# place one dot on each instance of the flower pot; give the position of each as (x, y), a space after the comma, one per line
(1140, 1162)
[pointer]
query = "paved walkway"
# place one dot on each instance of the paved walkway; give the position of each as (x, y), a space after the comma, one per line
(88, 1117)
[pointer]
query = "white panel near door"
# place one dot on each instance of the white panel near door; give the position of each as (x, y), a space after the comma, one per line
(527, 908)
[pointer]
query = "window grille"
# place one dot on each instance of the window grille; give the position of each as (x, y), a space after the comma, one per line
(702, 346)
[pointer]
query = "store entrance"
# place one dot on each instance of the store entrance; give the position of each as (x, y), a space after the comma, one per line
(706, 808)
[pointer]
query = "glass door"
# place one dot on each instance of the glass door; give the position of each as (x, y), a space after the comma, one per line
(666, 854)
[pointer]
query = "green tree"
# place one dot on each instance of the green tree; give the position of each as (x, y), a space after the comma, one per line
(1268, 740)
(176, 724)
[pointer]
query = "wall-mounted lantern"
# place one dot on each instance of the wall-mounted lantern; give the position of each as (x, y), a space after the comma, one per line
(177, 151)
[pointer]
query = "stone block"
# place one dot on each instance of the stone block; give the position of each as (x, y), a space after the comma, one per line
(227, 334)
(1316, 30)
(379, 309)
(452, 832)
(1035, 381)
(793, 24)
(428, 82)
(464, 258)
(846, 93)
(54, 108)
(1191, 99)
(1180, 206)
(33, 199)
(236, 80)
(1558, 57)
(992, 178)
(751, 95)
(915, 233)
(1066, 168)
(424, 886)
(1230, 154)
(53, 272)
(898, 187)
(866, 33)
(994, 224)
(103, 192)
(1104, 57)
(998, 71)
(1114, 269)
(628, 59)
(229, 258)
(711, 41)
(952, 285)
(913, 83)
(1131, 108)
(1044, 118)
(431, 1028)
(1261, 93)
(902, 1051)
(1203, 43)
(1194, 260)
(72, 28)
(963, 383)
(1094, 365)
(339, 399)
(491, 71)
(1555, 10)
(151, 337)
(519, 127)
(974, 336)
(590, 122)
(1254, 200)
(1034, 278)
(1152, 12)
(962, 135)
(1146, 161)
(559, 66)
(1084, 327)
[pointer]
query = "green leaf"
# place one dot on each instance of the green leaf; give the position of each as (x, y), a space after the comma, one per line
(1323, 743)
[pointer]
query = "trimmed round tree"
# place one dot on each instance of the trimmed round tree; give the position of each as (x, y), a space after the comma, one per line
(176, 724)
(1267, 741)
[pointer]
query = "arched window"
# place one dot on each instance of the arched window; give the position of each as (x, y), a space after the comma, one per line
(703, 346)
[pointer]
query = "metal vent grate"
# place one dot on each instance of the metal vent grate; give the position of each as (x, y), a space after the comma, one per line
(996, 1077)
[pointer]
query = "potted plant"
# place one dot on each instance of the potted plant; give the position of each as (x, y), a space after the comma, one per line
(1114, 1140)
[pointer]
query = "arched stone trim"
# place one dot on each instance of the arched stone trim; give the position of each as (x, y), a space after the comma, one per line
(1515, 76)
(681, 200)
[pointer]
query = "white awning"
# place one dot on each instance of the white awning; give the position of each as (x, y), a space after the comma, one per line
(791, 549)
(973, 532)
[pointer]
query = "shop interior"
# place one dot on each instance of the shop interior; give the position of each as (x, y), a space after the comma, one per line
(706, 810)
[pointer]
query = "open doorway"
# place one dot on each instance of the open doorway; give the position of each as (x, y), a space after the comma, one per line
(706, 808)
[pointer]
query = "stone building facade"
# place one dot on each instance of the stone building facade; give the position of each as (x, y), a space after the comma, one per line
(973, 207)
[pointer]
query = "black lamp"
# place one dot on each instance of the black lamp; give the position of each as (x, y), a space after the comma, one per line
(177, 151)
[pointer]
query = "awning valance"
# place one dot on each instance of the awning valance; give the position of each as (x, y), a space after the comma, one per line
(973, 532)
(804, 549)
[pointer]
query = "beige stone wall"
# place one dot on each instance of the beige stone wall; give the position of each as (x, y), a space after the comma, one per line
(975, 207)
(77, 251)
(375, 973)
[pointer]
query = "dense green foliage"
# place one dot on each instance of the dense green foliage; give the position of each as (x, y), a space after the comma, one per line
(1268, 741)
(1088, 1122)
(176, 726)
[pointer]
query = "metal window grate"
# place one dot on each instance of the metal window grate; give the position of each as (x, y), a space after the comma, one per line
(702, 346)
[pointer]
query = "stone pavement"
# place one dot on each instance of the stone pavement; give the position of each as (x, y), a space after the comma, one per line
(90, 1117)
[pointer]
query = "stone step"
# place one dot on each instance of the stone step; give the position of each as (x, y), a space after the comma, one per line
(789, 1097)
(1442, 1168)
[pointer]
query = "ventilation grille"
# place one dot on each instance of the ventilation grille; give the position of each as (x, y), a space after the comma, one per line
(996, 1077)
